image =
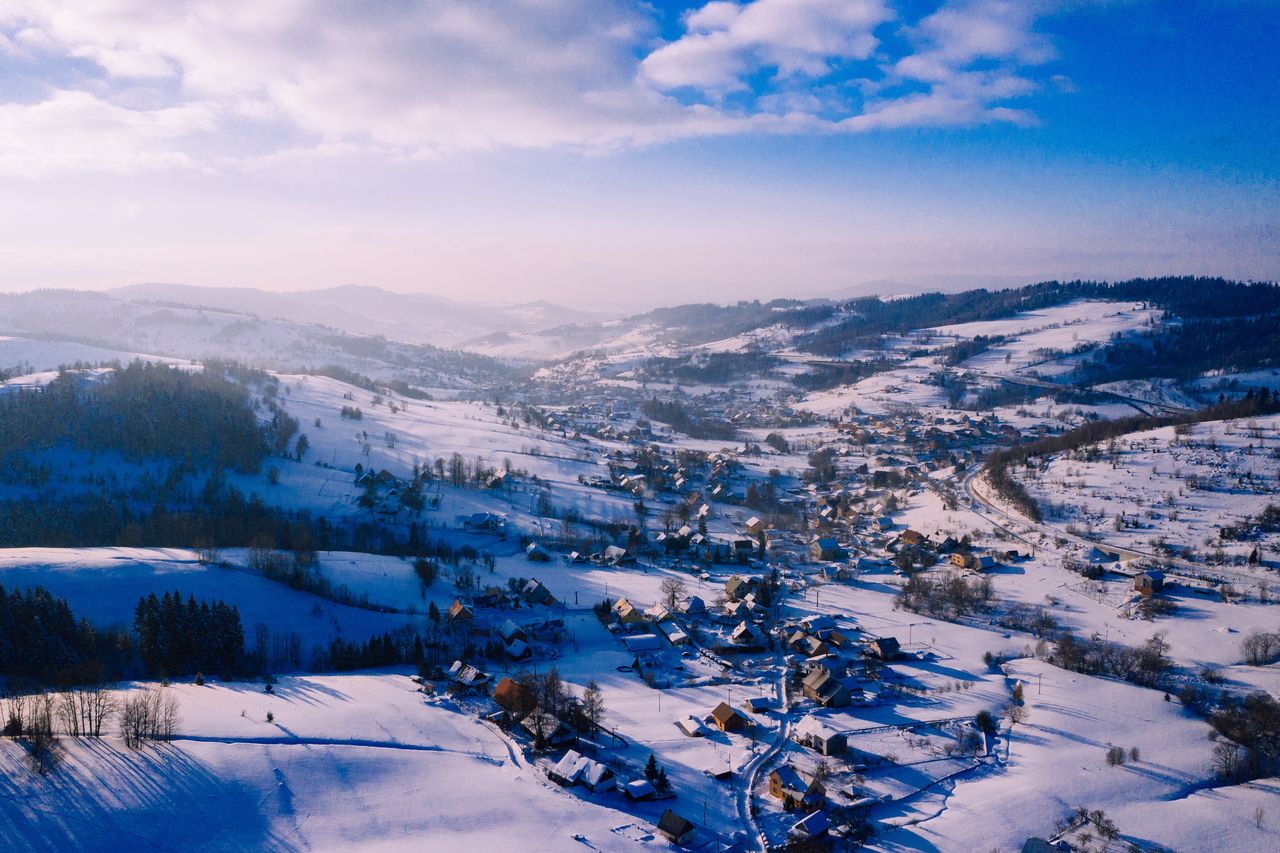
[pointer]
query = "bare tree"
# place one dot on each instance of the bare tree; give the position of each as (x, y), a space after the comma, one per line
(1228, 761)
(593, 704)
(150, 714)
(1260, 648)
(41, 710)
(96, 703)
(673, 589)
(68, 712)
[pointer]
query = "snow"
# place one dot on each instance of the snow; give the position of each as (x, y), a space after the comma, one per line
(357, 762)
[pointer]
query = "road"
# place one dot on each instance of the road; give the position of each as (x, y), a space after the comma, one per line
(752, 771)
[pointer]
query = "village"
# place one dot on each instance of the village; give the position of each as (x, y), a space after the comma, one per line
(740, 617)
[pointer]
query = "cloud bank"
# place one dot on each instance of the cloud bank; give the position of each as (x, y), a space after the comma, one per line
(127, 86)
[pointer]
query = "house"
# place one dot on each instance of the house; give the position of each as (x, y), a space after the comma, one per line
(911, 537)
(510, 632)
(826, 548)
(515, 698)
(757, 704)
(483, 521)
(787, 782)
(819, 736)
(626, 612)
(802, 643)
(674, 635)
(694, 606)
(459, 612)
(727, 719)
(963, 560)
(1149, 583)
(537, 554)
(599, 777)
(635, 483)
(755, 526)
(569, 769)
(823, 687)
(744, 635)
(817, 623)
(555, 734)
(575, 768)
(674, 828)
(492, 596)
(658, 613)
(1039, 845)
(640, 789)
(814, 825)
(465, 677)
(519, 651)
(883, 648)
(618, 555)
(691, 726)
(738, 587)
(535, 593)
(642, 643)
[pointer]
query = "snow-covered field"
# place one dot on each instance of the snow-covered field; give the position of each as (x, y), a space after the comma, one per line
(356, 762)
(1172, 488)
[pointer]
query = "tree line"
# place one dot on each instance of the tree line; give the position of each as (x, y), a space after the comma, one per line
(177, 638)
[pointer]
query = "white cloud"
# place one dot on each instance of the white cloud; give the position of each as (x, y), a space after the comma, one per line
(727, 41)
(199, 82)
(74, 131)
(949, 43)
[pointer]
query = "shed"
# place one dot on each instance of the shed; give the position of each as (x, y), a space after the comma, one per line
(1149, 582)
(674, 828)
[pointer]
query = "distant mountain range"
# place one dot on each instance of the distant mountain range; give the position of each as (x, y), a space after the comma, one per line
(912, 285)
(414, 318)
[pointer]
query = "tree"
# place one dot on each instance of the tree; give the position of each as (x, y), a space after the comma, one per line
(1260, 648)
(551, 692)
(651, 768)
(673, 589)
(302, 445)
(593, 704)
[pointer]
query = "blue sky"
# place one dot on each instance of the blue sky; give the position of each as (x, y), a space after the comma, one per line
(613, 152)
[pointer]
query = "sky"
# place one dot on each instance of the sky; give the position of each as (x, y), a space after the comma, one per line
(618, 153)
